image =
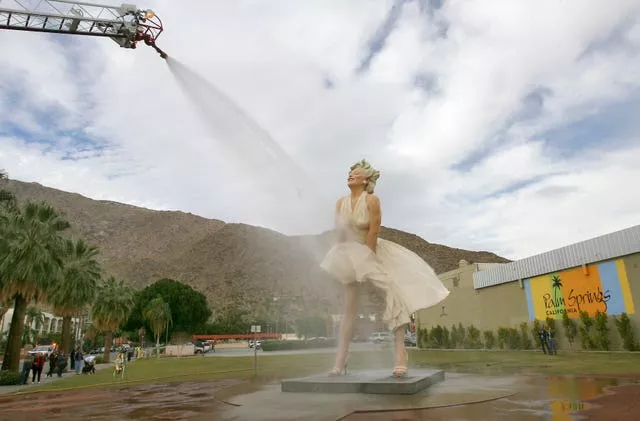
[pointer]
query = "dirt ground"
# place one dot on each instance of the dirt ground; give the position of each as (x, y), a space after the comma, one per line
(623, 403)
(170, 402)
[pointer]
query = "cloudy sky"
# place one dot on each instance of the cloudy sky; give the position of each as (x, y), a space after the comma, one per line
(497, 125)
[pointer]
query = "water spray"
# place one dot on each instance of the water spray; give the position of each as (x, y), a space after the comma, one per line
(126, 24)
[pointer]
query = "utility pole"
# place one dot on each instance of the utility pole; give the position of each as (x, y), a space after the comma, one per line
(255, 329)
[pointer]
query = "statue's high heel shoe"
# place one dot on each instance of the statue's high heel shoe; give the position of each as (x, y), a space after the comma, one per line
(402, 370)
(339, 372)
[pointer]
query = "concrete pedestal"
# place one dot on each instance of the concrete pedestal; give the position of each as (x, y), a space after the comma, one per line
(370, 381)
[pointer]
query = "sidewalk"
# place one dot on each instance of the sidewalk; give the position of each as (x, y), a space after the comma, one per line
(45, 380)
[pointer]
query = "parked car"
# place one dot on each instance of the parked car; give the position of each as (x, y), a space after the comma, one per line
(201, 347)
(410, 339)
(378, 337)
(45, 350)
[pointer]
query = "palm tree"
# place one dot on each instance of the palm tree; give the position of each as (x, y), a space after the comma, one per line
(5, 304)
(556, 285)
(31, 334)
(158, 314)
(7, 205)
(77, 286)
(6, 197)
(29, 263)
(111, 308)
(91, 334)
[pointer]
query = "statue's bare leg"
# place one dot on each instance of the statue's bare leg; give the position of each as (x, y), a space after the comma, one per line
(346, 327)
(400, 369)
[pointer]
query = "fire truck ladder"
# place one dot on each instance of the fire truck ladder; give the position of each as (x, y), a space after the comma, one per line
(125, 24)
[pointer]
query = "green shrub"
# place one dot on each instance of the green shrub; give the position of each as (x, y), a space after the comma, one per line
(99, 359)
(423, 338)
(625, 329)
(435, 337)
(502, 337)
(601, 337)
(570, 328)
(461, 339)
(456, 337)
(9, 378)
(509, 338)
(535, 330)
(489, 339)
(446, 338)
(586, 336)
(524, 336)
(515, 339)
(472, 338)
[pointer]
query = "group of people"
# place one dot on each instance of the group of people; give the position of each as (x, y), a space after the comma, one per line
(547, 341)
(34, 365)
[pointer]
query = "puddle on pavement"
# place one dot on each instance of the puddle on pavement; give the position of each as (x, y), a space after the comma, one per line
(553, 398)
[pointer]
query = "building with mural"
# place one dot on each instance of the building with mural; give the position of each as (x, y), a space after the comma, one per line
(599, 274)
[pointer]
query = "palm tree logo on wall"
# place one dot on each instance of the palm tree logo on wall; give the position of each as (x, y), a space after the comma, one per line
(557, 286)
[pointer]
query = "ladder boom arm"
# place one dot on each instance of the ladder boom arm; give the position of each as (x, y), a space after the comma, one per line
(125, 24)
(48, 22)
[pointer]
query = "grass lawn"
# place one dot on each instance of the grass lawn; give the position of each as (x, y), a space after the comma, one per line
(505, 362)
(271, 367)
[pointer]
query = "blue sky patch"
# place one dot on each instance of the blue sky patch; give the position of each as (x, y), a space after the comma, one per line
(608, 128)
(379, 39)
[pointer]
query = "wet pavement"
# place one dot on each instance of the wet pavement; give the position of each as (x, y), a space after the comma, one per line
(459, 397)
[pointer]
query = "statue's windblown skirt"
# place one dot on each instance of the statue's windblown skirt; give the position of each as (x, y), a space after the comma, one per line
(409, 283)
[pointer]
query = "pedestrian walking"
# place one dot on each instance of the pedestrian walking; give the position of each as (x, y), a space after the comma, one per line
(52, 363)
(38, 365)
(543, 340)
(27, 365)
(79, 357)
(551, 341)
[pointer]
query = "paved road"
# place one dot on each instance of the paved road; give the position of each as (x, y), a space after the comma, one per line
(243, 352)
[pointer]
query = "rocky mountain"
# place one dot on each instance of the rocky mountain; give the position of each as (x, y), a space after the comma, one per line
(232, 264)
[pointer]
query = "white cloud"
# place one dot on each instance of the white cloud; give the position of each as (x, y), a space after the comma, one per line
(463, 161)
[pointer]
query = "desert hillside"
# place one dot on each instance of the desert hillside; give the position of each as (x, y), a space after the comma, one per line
(233, 264)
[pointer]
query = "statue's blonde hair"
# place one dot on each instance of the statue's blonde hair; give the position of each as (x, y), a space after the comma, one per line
(371, 173)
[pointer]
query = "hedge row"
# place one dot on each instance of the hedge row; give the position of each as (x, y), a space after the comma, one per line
(593, 333)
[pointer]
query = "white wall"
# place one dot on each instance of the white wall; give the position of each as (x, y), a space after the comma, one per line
(52, 323)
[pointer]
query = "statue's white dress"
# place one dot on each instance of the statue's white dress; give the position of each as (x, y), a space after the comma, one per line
(408, 282)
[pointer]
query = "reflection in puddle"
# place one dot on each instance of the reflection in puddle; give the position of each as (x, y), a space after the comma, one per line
(558, 398)
(553, 398)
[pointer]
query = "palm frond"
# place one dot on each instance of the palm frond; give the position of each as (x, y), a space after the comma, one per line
(30, 250)
(158, 315)
(112, 306)
(79, 279)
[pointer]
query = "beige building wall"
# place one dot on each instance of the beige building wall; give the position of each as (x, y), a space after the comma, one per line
(505, 305)
(487, 308)
(632, 265)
